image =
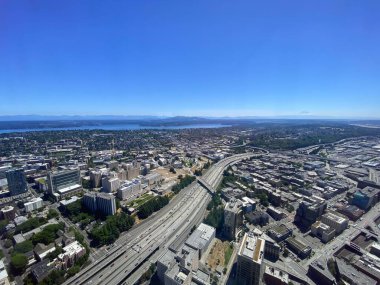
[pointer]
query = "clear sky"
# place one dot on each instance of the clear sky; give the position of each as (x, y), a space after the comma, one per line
(217, 58)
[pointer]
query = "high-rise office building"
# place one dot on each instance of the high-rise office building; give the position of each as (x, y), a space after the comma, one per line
(64, 183)
(132, 169)
(110, 184)
(89, 201)
(233, 218)
(16, 181)
(250, 263)
(106, 203)
(102, 202)
(96, 178)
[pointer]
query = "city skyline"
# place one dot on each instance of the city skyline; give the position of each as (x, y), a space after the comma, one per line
(211, 58)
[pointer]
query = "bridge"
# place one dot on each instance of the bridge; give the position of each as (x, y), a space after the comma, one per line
(206, 185)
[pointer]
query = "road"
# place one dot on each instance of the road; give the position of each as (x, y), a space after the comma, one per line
(346, 236)
(129, 255)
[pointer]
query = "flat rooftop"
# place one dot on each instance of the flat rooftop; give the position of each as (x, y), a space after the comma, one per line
(280, 230)
(69, 188)
(252, 247)
(335, 218)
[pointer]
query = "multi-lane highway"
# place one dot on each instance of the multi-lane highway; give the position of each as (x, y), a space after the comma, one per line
(150, 239)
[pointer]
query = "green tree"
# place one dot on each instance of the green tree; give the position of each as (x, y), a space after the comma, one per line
(54, 278)
(3, 225)
(286, 252)
(48, 234)
(264, 200)
(73, 270)
(8, 243)
(30, 224)
(111, 229)
(86, 183)
(215, 218)
(290, 208)
(18, 263)
(23, 247)
(184, 182)
(151, 206)
(52, 213)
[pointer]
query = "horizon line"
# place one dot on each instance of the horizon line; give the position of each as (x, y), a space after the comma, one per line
(241, 117)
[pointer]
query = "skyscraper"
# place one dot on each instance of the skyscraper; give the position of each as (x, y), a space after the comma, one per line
(106, 203)
(250, 263)
(64, 183)
(102, 202)
(233, 218)
(89, 201)
(16, 181)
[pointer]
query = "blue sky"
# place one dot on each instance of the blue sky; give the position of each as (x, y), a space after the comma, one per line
(217, 58)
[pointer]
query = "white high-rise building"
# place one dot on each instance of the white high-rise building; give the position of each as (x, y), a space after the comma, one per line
(110, 184)
(33, 204)
(250, 263)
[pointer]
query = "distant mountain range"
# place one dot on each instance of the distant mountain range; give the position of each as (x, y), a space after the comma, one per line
(168, 118)
(28, 122)
(74, 117)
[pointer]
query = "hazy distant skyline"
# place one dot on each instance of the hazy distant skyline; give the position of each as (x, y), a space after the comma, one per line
(195, 58)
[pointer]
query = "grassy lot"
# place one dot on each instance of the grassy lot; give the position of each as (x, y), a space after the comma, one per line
(141, 200)
(220, 254)
(228, 253)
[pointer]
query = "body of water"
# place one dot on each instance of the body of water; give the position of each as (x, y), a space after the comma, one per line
(116, 127)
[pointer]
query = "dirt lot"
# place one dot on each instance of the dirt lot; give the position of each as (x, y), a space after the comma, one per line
(170, 176)
(217, 254)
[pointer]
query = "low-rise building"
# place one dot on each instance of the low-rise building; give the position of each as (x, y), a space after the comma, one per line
(249, 205)
(33, 204)
(181, 266)
(152, 179)
(298, 247)
(42, 269)
(275, 276)
(71, 253)
(336, 222)
(8, 213)
(230, 193)
(322, 231)
(257, 218)
(275, 213)
(350, 211)
(41, 250)
(3, 274)
(201, 238)
(280, 233)
(366, 198)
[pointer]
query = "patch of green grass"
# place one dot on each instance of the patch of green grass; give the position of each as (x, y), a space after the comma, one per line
(141, 200)
(227, 254)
